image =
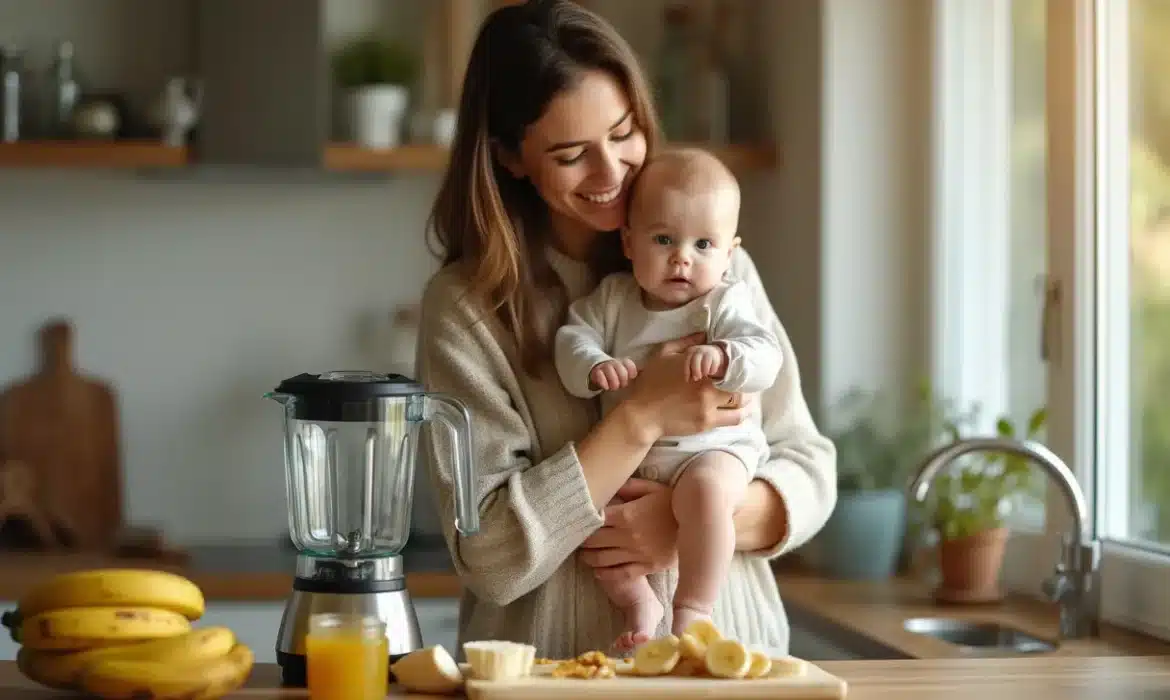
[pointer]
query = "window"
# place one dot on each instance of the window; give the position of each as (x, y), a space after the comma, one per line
(1131, 307)
(1052, 263)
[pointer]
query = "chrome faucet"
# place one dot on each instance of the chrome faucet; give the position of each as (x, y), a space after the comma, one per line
(1076, 584)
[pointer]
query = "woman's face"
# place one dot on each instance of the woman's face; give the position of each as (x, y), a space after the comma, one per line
(582, 155)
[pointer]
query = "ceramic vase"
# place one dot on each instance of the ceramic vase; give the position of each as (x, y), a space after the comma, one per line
(376, 113)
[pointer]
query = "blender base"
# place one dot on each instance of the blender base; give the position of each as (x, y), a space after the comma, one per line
(385, 598)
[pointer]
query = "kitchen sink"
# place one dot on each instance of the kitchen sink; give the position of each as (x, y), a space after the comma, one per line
(979, 637)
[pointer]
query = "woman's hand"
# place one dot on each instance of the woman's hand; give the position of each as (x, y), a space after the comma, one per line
(639, 536)
(664, 402)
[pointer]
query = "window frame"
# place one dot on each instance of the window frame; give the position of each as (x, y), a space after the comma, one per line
(970, 232)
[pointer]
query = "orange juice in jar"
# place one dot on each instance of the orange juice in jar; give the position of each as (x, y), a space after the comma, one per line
(347, 657)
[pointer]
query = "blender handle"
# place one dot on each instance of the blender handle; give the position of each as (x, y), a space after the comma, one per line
(453, 414)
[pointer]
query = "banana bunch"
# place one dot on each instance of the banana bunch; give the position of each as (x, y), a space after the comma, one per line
(702, 650)
(125, 633)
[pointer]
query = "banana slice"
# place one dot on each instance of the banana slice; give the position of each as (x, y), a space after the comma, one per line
(705, 631)
(430, 670)
(788, 666)
(657, 657)
(692, 648)
(728, 658)
(494, 660)
(689, 667)
(761, 665)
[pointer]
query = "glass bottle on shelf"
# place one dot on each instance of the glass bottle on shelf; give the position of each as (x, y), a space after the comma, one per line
(12, 94)
(64, 92)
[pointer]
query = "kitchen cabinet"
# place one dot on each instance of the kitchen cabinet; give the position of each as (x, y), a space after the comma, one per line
(264, 68)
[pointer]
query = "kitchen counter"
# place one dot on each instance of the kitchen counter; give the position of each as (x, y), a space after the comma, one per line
(1055, 678)
(233, 572)
(865, 617)
(873, 613)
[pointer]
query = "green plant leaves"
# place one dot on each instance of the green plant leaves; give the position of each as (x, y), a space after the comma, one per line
(880, 439)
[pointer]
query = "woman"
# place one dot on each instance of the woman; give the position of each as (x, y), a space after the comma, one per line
(555, 121)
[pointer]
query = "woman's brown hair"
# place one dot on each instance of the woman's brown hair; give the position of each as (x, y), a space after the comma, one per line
(484, 218)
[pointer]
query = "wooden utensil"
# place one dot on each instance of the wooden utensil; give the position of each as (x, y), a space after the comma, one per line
(64, 426)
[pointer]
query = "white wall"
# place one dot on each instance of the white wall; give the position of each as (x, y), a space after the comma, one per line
(875, 149)
(194, 298)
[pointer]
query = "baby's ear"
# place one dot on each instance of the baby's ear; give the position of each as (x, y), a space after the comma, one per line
(735, 242)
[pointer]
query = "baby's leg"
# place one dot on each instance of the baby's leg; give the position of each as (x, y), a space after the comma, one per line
(640, 606)
(704, 500)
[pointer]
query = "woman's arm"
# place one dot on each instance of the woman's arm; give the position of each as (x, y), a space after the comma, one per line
(795, 491)
(533, 515)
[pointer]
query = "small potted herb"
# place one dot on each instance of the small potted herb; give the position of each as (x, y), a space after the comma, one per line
(376, 77)
(968, 508)
(879, 440)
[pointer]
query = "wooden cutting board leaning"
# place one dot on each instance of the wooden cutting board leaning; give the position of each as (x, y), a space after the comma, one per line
(59, 451)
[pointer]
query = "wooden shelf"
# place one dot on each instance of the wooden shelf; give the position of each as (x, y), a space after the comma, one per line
(91, 154)
(346, 156)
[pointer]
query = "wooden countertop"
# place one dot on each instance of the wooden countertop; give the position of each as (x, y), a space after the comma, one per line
(876, 610)
(1055, 678)
(863, 616)
(232, 572)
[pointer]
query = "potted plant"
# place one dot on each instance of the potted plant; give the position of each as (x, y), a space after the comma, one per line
(969, 505)
(879, 439)
(376, 77)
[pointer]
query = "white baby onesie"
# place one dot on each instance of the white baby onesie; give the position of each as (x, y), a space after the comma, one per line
(613, 322)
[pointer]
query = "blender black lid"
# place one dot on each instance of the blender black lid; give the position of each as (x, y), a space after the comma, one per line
(348, 386)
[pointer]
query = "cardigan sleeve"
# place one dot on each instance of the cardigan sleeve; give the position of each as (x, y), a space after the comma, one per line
(754, 356)
(533, 514)
(580, 342)
(802, 462)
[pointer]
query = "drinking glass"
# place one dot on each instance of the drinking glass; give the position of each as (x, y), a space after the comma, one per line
(347, 657)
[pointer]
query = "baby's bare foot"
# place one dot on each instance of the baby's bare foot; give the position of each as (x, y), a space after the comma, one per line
(684, 615)
(641, 621)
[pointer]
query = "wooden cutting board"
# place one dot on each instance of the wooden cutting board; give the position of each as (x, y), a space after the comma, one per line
(816, 684)
(64, 427)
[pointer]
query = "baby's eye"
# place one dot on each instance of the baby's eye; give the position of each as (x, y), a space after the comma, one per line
(704, 244)
(662, 239)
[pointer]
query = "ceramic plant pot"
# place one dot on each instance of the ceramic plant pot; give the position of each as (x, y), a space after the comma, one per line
(970, 567)
(863, 537)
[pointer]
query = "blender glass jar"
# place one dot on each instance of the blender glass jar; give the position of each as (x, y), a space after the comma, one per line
(350, 445)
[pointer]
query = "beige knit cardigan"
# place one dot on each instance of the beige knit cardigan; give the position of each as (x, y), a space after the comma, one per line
(521, 576)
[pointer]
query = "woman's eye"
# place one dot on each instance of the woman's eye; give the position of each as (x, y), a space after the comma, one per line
(570, 160)
(662, 239)
(622, 137)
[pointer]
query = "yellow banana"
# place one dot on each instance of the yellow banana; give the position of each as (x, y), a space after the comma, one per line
(119, 679)
(62, 670)
(143, 588)
(73, 629)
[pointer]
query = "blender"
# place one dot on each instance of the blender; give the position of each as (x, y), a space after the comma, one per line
(350, 442)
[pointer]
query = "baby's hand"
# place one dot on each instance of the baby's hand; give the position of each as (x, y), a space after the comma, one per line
(705, 361)
(613, 374)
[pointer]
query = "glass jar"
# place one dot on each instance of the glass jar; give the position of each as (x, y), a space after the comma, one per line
(347, 657)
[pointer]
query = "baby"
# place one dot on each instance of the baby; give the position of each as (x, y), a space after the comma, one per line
(680, 235)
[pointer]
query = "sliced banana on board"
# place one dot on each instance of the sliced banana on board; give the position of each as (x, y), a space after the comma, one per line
(728, 658)
(657, 657)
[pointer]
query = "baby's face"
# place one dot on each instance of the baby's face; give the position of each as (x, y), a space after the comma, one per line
(680, 243)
